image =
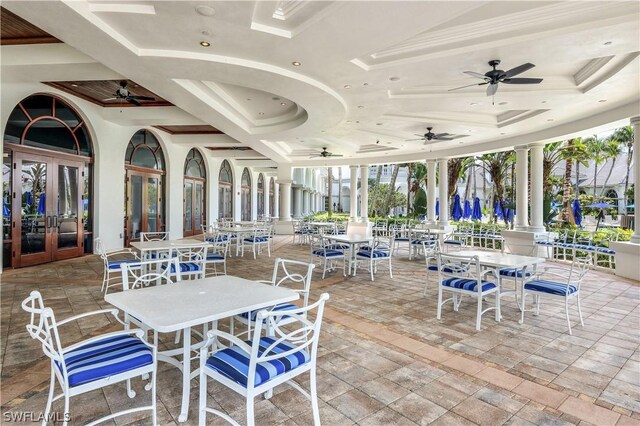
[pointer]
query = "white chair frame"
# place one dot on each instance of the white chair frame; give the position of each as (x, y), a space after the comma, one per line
(261, 237)
(105, 256)
(371, 261)
(218, 245)
(319, 248)
(190, 253)
(44, 328)
(430, 251)
(465, 267)
(303, 338)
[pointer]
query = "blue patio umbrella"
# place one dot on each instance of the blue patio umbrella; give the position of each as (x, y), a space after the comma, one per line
(497, 210)
(600, 205)
(631, 206)
(42, 204)
(577, 212)
(6, 212)
(476, 213)
(507, 214)
(456, 209)
(437, 207)
(554, 204)
(466, 211)
(28, 198)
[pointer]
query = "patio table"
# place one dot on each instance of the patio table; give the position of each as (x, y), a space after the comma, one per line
(240, 232)
(144, 247)
(352, 241)
(174, 307)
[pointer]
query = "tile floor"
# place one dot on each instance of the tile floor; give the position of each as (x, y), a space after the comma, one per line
(384, 358)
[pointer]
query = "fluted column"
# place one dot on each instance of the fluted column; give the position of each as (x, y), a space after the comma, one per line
(431, 191)
(285, 199)
(443, 185)
(635, 123)
(340, 207)
(364, 193)
(276, 201)
(522, 188)
(537, 188)
(353, 200)
(305, 202)
(265, 198)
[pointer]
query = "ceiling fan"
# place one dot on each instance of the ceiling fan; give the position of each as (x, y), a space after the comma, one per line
(325, 154)
(430, 136)
(495, 76)
(123, 94)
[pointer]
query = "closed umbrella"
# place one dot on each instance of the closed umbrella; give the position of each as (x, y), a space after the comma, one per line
(28, 198)
(5, 209)
(466, 211)
(577, 212)
(507, 214)
(497, 210)
(476, 213)
(42, 204)
(437, 207)
(456, 209)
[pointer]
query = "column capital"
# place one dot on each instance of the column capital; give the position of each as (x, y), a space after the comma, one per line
(521, 148)
(441, 159)
(364, 166)
(431, 161)
(634, 120)
(536, 145)
(284, 181)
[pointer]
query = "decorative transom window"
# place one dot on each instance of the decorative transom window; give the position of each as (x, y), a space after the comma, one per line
(144, 150)
(194, 165)
(225, 172)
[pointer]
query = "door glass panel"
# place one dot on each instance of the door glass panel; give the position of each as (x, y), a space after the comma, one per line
(136, 206)
(188, 200)
(152, 204)
(6, 196)
(198, 207)
(67, 206)
(34, 207)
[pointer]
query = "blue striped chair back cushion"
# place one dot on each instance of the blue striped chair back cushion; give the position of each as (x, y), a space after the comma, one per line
(327, 253)
(435, 268)
(545, 243)
(215, 256)
(218, 239)
(233, 363)
(374, 254)
(185, 267)
(605, 250)
(338, 246)
(256, 240)
(115, 264)
(280, 307)
(549, 287)
(456, 242)
(511, 272)
(467, 284)
(104, 358)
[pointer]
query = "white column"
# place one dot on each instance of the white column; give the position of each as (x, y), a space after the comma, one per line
(537, 191)
(265, 196)
(340, 206)
(364, 193)
(297, 201)
(353, 208)
(443, 185)
(285, 199)
(305, 202)
(276, 200)
(431, 191)
(635, 123)
(522, 188)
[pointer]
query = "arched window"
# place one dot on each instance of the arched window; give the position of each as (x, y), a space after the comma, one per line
(144, 164)
(194, 193)
(225, 191)
(613, 195)
(46, 183)
(260, 195)
(245, 195)
(272, 197)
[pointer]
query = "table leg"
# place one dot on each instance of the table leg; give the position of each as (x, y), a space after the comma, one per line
(352, 258)
(186, 373)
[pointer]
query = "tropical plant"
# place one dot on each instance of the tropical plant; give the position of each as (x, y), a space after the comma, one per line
(495, 164)
(612, 150)
(380, 196)
(572, 150)
(378, 175)
(625, 136)
(409, 180)
(329, 191)
(596, 149)
(394, 176)
(456, 167)
(420, 202)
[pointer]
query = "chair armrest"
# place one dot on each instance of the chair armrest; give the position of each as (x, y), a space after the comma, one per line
(135, 331)
(112, 311)
(265, 282)
(125, 251)
(214, 334)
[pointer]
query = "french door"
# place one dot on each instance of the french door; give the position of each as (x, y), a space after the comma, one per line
(193, 206)
(143, 204)
(47, 209)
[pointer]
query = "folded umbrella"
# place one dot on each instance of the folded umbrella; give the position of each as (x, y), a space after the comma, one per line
(466, 210)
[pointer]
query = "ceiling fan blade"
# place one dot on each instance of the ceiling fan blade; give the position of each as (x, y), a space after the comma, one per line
(492, 89)
(468, 85)
(109, 99)
(142, 98)
(133, 101)
(445, 138)
(476, 74)
(419, 139)
(518, 70)
(337, 155)
(522, 81)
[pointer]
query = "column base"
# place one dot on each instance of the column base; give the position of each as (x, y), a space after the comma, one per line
(523, 242)
(521, 228)
(635, 239)
(627, 255)
(536, 229)
(283, 227)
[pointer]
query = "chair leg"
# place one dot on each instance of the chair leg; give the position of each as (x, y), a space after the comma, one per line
(523, 308)
(537, 297)
(314, 397)
(324, 268)
(498, 304)
(130, 392)
(250, 420)
(439, 301)
(154, 408)
(66, 409)
(390, 271)
(580, 310)
(50, 399)
(566, 310)
(479, 314)
(202, 418)
(371, 269)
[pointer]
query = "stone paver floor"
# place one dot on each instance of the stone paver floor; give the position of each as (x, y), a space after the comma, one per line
(384, 358)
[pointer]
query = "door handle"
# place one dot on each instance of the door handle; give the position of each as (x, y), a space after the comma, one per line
(55, 221)
(49, 223)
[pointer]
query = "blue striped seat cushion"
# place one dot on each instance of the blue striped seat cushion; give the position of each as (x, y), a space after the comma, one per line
(401, 239)
(115, 264)
(376, 254)
(435, 268)
(545, 243)
(185, 267)
(511, 272)
(467, 284)
(104, 358)
(583, 247)
(549, 287)
(256, 240)
(338, 246)
(215, 256)
(233, 362)
(456, 242)
(280, 307)
(218, 239)
(327, 253)
(605, 250)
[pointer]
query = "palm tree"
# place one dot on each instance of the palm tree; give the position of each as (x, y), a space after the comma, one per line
(409, 177)
(378, 176)
(496, 164)
(392, 188)
(596, 149)
(456, 168)
(329, 191)
(611, 151)
(625, 136)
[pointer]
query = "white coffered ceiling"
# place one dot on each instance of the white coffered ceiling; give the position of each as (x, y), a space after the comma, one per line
(372, 74)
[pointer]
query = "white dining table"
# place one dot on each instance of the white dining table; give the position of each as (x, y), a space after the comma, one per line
(144, 247)
(352, 241)
(240, 232)
(173, 307)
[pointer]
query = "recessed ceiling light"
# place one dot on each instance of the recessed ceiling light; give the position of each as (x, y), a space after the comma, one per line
(394, 78)
(261, 113)
(473, 103)
(296, 63)
(469, 130)
(357, 122)
(543, 102)
(347, 86)
(248, 99)
(608, 43)
(205, 10)
(205, 43)
(205, 32)
(503, 133)
(324, 131)
(461, 142)
(360, 106)
(348, 121)
(502, 103)
(378, 124)
(275, 98)
(549, 119)
(388, 143)
(283, 103)
(602, 100)
(365, 84)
